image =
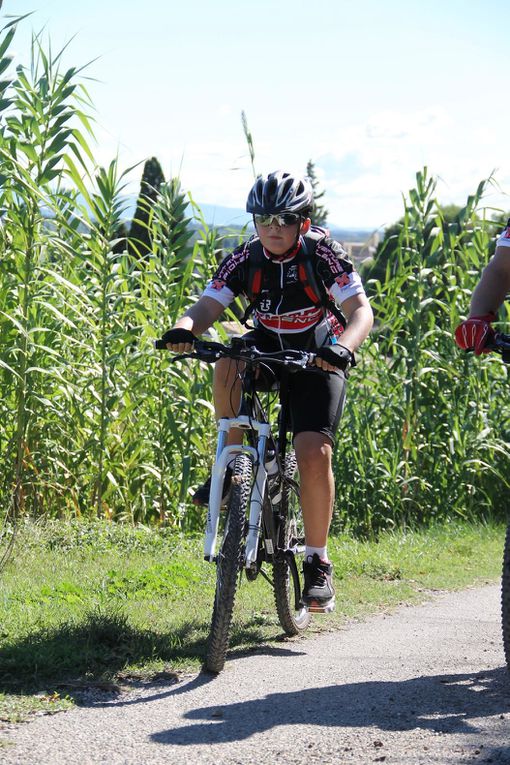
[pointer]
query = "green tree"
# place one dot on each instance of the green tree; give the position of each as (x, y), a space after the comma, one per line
(319, 212)
(385, 256)
(140, 240)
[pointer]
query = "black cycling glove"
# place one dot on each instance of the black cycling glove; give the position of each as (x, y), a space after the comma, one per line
(337, 355)
(178, 335)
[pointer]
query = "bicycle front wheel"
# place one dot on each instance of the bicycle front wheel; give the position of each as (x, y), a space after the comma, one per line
(293, 616)
(505, 598)
(229, 563)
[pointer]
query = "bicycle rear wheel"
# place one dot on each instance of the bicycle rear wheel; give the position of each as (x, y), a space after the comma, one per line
(229, 563)
(293, 616)
(505, 598)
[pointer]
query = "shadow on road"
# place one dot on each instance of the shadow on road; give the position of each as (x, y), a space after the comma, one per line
(440, 703)
(184, 687)
(96, 651)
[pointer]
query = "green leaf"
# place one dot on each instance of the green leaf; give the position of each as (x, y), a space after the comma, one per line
(29, 151)
(5, 43)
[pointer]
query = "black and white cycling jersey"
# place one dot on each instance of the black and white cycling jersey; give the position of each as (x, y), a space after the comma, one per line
(283, 307)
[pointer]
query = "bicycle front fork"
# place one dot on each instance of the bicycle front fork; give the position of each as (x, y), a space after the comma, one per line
(225, 455)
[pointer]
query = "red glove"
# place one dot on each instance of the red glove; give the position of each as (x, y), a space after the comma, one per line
(474, 333)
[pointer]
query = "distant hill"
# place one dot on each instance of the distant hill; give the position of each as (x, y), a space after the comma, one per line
(350, 234)
(223, 217)
(232, 217)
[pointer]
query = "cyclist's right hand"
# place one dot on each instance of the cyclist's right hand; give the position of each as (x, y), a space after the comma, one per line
(178, 340)
(475, 333)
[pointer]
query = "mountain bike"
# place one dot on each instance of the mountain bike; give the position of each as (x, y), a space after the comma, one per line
(501, 344)
(261, 530)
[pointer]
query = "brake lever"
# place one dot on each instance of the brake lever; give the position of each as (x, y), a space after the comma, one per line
(180, 356)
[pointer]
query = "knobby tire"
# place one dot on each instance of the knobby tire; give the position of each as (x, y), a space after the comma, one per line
(505, 598)
(292, 620)
(229, 563)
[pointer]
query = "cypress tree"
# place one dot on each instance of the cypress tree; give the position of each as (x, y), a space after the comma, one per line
(139, 240)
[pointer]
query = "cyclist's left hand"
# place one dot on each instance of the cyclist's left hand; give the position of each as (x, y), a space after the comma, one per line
(331, 358)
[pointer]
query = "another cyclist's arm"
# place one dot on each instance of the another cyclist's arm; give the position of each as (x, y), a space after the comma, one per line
(494, 284)
(476, 332)
(358, 313)
(197, 320)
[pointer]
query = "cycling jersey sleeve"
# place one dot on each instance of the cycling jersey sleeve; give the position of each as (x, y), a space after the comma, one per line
(218, 290)
(504, 238)
(346, 287)
(228, 280)
(337, 272)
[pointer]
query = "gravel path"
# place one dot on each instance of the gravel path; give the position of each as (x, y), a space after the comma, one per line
(424, 684)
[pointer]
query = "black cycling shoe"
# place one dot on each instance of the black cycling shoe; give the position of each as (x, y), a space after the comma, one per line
(318, 592)
(201, 496)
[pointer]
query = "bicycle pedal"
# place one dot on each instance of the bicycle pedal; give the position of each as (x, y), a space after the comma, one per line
(316, 607)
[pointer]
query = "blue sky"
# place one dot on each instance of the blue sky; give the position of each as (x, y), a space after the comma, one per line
(369, 91)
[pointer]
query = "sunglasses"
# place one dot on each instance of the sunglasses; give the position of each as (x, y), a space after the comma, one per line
(284, 219)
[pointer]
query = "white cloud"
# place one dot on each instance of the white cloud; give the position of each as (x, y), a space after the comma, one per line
(365, 181)
(392, 125)
(364, 167)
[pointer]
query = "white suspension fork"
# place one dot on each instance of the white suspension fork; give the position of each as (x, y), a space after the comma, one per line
(225, 455)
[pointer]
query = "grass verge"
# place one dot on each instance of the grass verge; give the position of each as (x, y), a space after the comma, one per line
(97, 606)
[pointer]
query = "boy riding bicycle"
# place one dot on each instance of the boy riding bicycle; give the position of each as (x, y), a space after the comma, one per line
(295, 278)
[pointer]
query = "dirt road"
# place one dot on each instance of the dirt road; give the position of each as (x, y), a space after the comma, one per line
(424, 684)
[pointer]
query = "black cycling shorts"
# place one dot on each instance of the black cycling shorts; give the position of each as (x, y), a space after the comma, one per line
(316, 398)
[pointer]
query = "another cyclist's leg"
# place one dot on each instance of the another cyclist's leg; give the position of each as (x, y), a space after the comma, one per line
(316, 406)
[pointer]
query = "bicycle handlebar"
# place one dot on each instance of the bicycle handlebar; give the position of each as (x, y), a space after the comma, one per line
(209, 351)
(500, 343)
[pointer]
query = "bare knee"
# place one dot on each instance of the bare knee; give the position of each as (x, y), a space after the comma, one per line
(313, 453)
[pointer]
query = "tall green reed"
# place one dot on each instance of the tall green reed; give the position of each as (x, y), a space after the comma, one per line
(423, 437)
(94, 421)
(38, 127)
(168, 288)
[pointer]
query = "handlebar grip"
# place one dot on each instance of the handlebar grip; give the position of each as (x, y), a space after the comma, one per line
(337, 355)
(175, 336)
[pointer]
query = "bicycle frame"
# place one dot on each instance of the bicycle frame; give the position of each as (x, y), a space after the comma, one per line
(254, 421)
(262, 524)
